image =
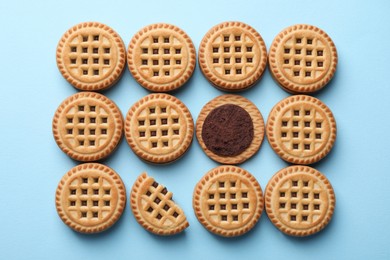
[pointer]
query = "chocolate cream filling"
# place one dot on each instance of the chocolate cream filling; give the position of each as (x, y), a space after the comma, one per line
(227, 130)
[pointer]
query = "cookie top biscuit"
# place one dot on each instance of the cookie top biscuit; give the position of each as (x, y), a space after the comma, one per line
(154, 208)
(301, 129)
(91, 56)
(159, 128)
(228, 201)
(302, 59)
(161, 57)
(90, 198)
(232, 56)
(230, 129)
(299, 200)
(87, 126)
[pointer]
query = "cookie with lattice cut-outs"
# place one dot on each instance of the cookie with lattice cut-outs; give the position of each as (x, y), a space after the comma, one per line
(159, 128)
(154, 208)
(302, 59)
(87, 126)
(299, 200)
(232, 56)
(161, 57)
(301, 129)
(90, 198)
(230, 129)
(91, 56)
(228, 201)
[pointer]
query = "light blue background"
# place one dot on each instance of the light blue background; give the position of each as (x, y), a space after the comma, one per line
(32, 164)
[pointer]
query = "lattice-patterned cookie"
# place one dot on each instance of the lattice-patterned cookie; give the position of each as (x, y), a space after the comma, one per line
(154, 208)
(302, 59)
(91, 56)
(87, 126)
(301, 129)
(228, 201)
(232, 56)
(159, 128)
(299, 200)
(230, 129)
(90, 198)
(161, 57)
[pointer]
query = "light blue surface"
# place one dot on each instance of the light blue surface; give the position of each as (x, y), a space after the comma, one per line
(32, 164)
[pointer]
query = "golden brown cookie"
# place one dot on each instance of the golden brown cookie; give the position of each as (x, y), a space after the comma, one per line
(90, 198)
(154, 208)
(301, 129)
(232, 56)
(91, 56)
(230, 129)
(87, 126)
(159, 128)
(161, 57)
(299, 200)
(228, 201)
(302, 59)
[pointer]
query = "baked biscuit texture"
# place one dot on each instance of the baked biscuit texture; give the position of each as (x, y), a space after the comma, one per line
(154, 208)
(228, 201)
(159, 128)
(161, 57)
(301, 129)
(90, 198)
(87, 126)
(232, 56)
(299, 200)
(91, 56)
(302, 59)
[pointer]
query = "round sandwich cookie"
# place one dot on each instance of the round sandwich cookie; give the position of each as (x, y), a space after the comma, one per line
(159, 128)
(87, 126)
(232, 56)
(91, 56)
(301, 129)
(302, 59)
(161, 57)
(90, 198)
(230, 129)
(299, 200)
(154, 208)
(228, 201)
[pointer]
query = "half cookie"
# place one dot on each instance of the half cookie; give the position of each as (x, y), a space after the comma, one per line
(154, 208)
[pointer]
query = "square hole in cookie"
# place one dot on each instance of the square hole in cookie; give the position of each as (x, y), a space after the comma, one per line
(233, 184)
(84, 61)
(176, 120)
(226, 49)
(70, 131)
(223, 206)
(222, 195)
(297, 62)
(238, 71)
(238, 49)
(107, 203)
(95, 203)
(166, 40)
(177, 51)
(226, 60)
(227, 72)
(104, 120)
(249, 49)
(308, 52)
(95, 50)
(296, 112)
(107, 192)
(223, 218)
(307, 124)
(148, 193)
(308, 63)
(232, 195)
(83, 214)
(141, 122)
(221, 184)
(85, 180)
(296, 73)
(96, 191)
(176, 132)
(167, 62)
(106, 50)
(157, 201)
(295, 123)
(164, 132)
(307, 74)
(166, 207)
(284, 134)
(70, 120)
(294, 194)
(155, 51)
(72, 203)
(304, 218)
(316, 206)
(211, 207)
(81, 131)
(150, 209)
(84, 191)
(295, 146)
(226, 38)
(92, 131)
(320, 64)
(215, 60)
(318, 124)
(245, 205)
(96, 61)
(72, 192)
(155, 40)
(215, 49)
(83, 203)
(320, 53)
(282, 205)
(92, 142)
(85, 72)
(235, 218)
(309, 41)
(305, 195)
(73, 61)
(211, 196)
(286, 61)
(307, 135)
(316, 195)
(155, 73)
(81, 142)
(307, 146)
(96, 37)
(144, 62)
(293, 206)
(238, 60)
(294, 183)
(318, 136)
(244, 194)
(305, 184)
(152, 122)
(85, 50)
(175, 214)
(293, 218)
(178, 62)
(298, 51)
(153, 133)
(234, 206)
(295, 134)
(154, 144)
(298, 40)
(145, 50)
(73, 49)
(284, 123)
(155, 62)
(166, 73)
(305, 207)
(237, 38)
(104, 131)
(166, 51)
